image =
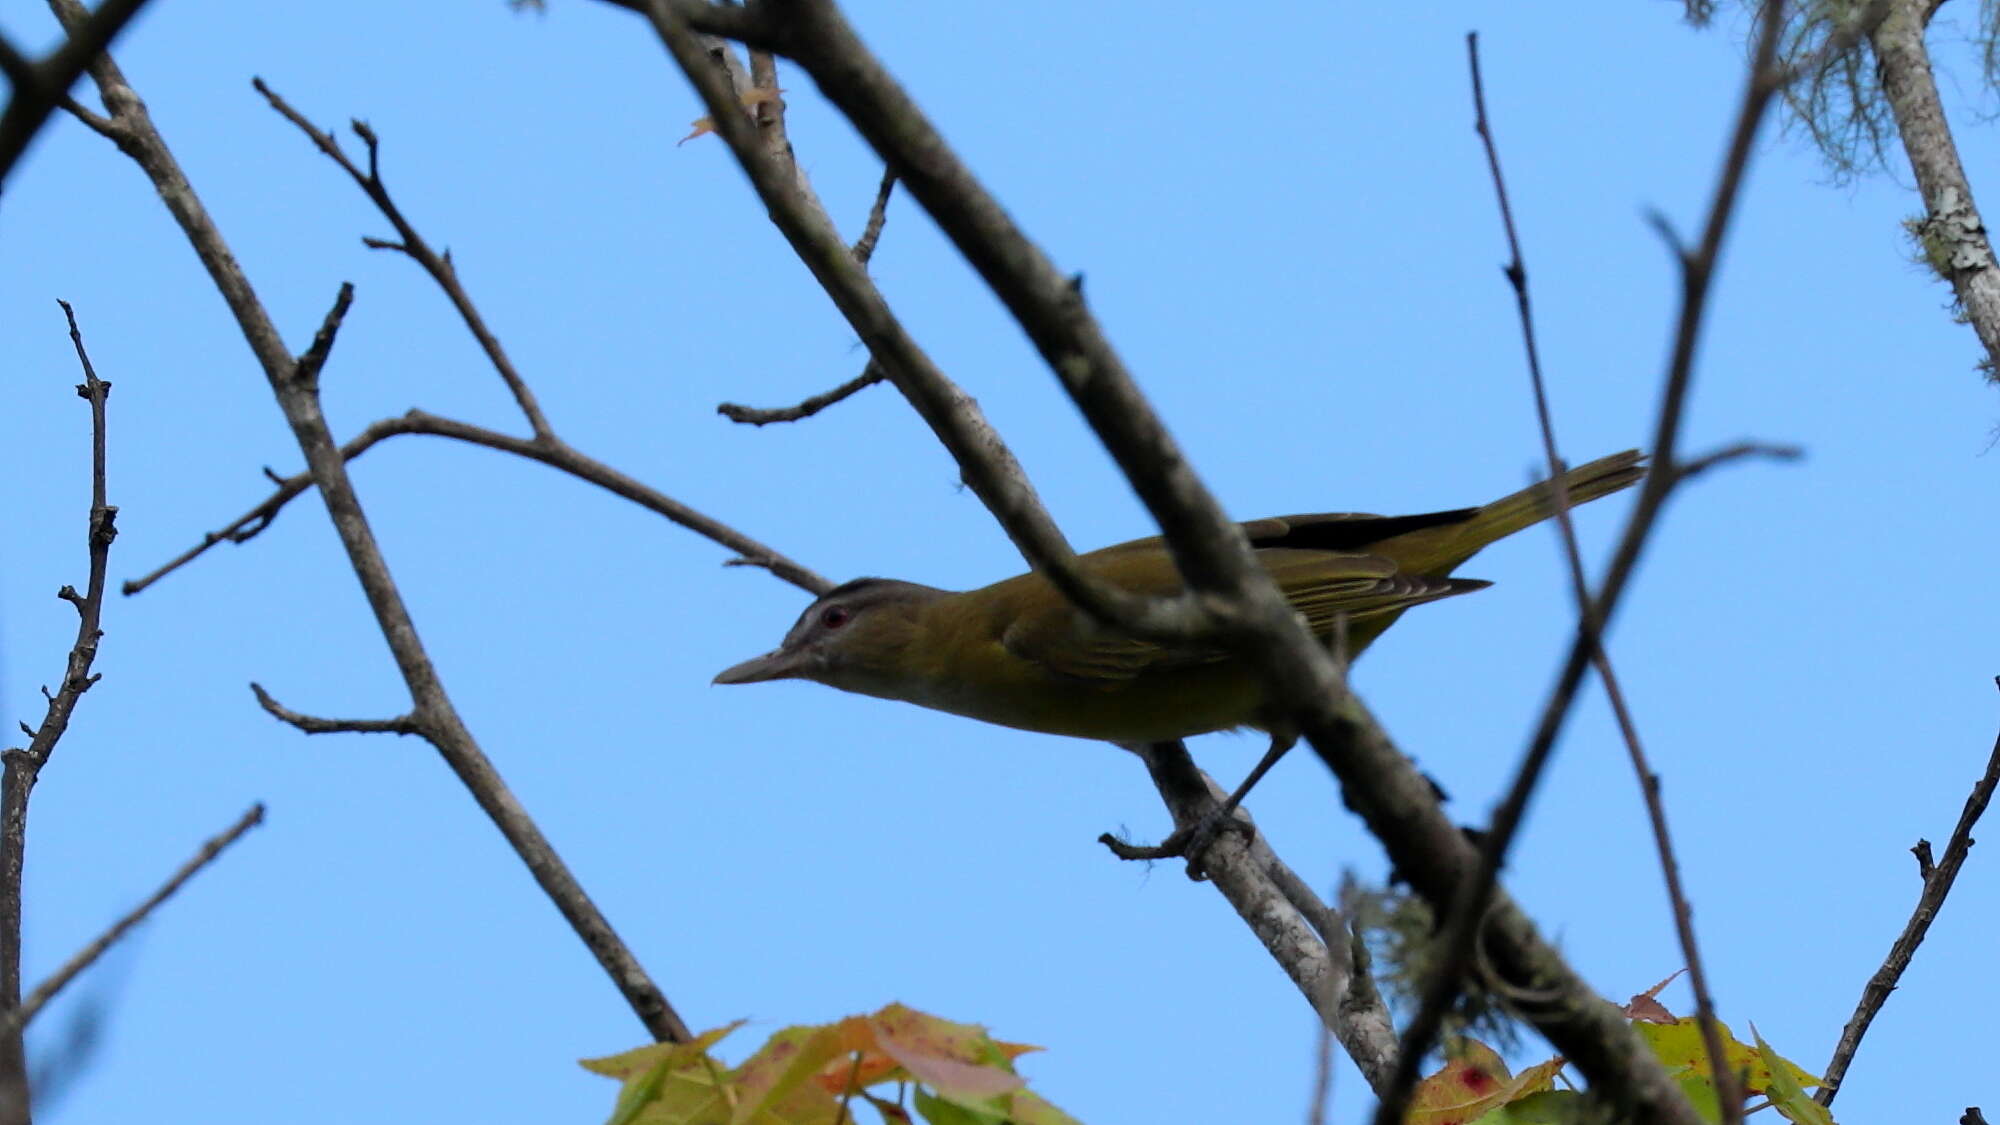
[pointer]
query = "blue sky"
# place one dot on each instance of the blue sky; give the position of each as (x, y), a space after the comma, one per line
(1286, 227)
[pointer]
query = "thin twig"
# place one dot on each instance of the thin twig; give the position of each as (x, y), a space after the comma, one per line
(864, 247)
(1695, 466)
(1937, 884)
(762, 416)
(20, 1017)
(545, 446)
(413, 246)
(1857, 26)
(20, 769)
(1462, 927)
(306, 370)
(313, 724)
(1507, 821)
(552, 452)
(1697, 269)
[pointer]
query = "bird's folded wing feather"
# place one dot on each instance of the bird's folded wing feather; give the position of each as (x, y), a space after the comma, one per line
(1321, 585)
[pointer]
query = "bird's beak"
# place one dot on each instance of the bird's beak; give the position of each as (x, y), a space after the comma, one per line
(777, 664)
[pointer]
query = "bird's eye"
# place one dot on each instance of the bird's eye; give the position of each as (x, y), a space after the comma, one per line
(834, 616)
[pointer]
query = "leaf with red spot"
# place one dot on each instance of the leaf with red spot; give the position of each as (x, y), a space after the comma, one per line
(1474, 1083)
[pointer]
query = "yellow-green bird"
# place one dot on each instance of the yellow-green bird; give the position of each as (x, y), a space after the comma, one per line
(1018, 654)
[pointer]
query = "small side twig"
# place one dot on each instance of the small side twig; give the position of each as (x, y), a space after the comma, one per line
(21, 1016)
(864, 247)
(313, 724)
(307, 367)
(552, 452)
(1695, 466)
(764, 416)
(1938, 878)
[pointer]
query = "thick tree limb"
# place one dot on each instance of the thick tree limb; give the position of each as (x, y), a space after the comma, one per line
(1952, 233)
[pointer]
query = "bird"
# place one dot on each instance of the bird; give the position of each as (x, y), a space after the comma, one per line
(1018, 654)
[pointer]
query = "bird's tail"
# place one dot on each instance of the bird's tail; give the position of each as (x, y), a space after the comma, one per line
(1456, 543)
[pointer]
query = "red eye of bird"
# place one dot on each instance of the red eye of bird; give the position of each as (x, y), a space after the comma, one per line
(834, 616)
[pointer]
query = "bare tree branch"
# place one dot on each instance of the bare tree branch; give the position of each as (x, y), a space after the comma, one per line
(313, 724)
(39, 89)
(1231, 595)
(1462, 926)
(1313, 951)
(1937, 884)
(986, 465)
(300, 404)
(864, 247)
(1952, 233)
(1697, 269)
(759, 416)
(1695, 466)
(551, 451)
(20, 769)
(413, 246)
(21, 1016)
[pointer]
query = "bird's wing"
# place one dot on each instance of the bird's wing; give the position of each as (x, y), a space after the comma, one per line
(1322, 586)
(1326, 588)
(1340, 532)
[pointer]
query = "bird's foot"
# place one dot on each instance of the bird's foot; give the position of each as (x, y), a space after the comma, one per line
(1190, 841)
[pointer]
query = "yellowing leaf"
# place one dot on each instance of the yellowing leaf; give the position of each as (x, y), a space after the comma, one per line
(807, 1075)
(1787, 1096)
(1474, 1083)
(957, 1060)
(1550, 1107)
(771, 1084)
(626, 1064)
(663, 1083)
(1680, 1049)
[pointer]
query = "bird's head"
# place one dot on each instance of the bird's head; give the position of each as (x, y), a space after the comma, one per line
(856, 637)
